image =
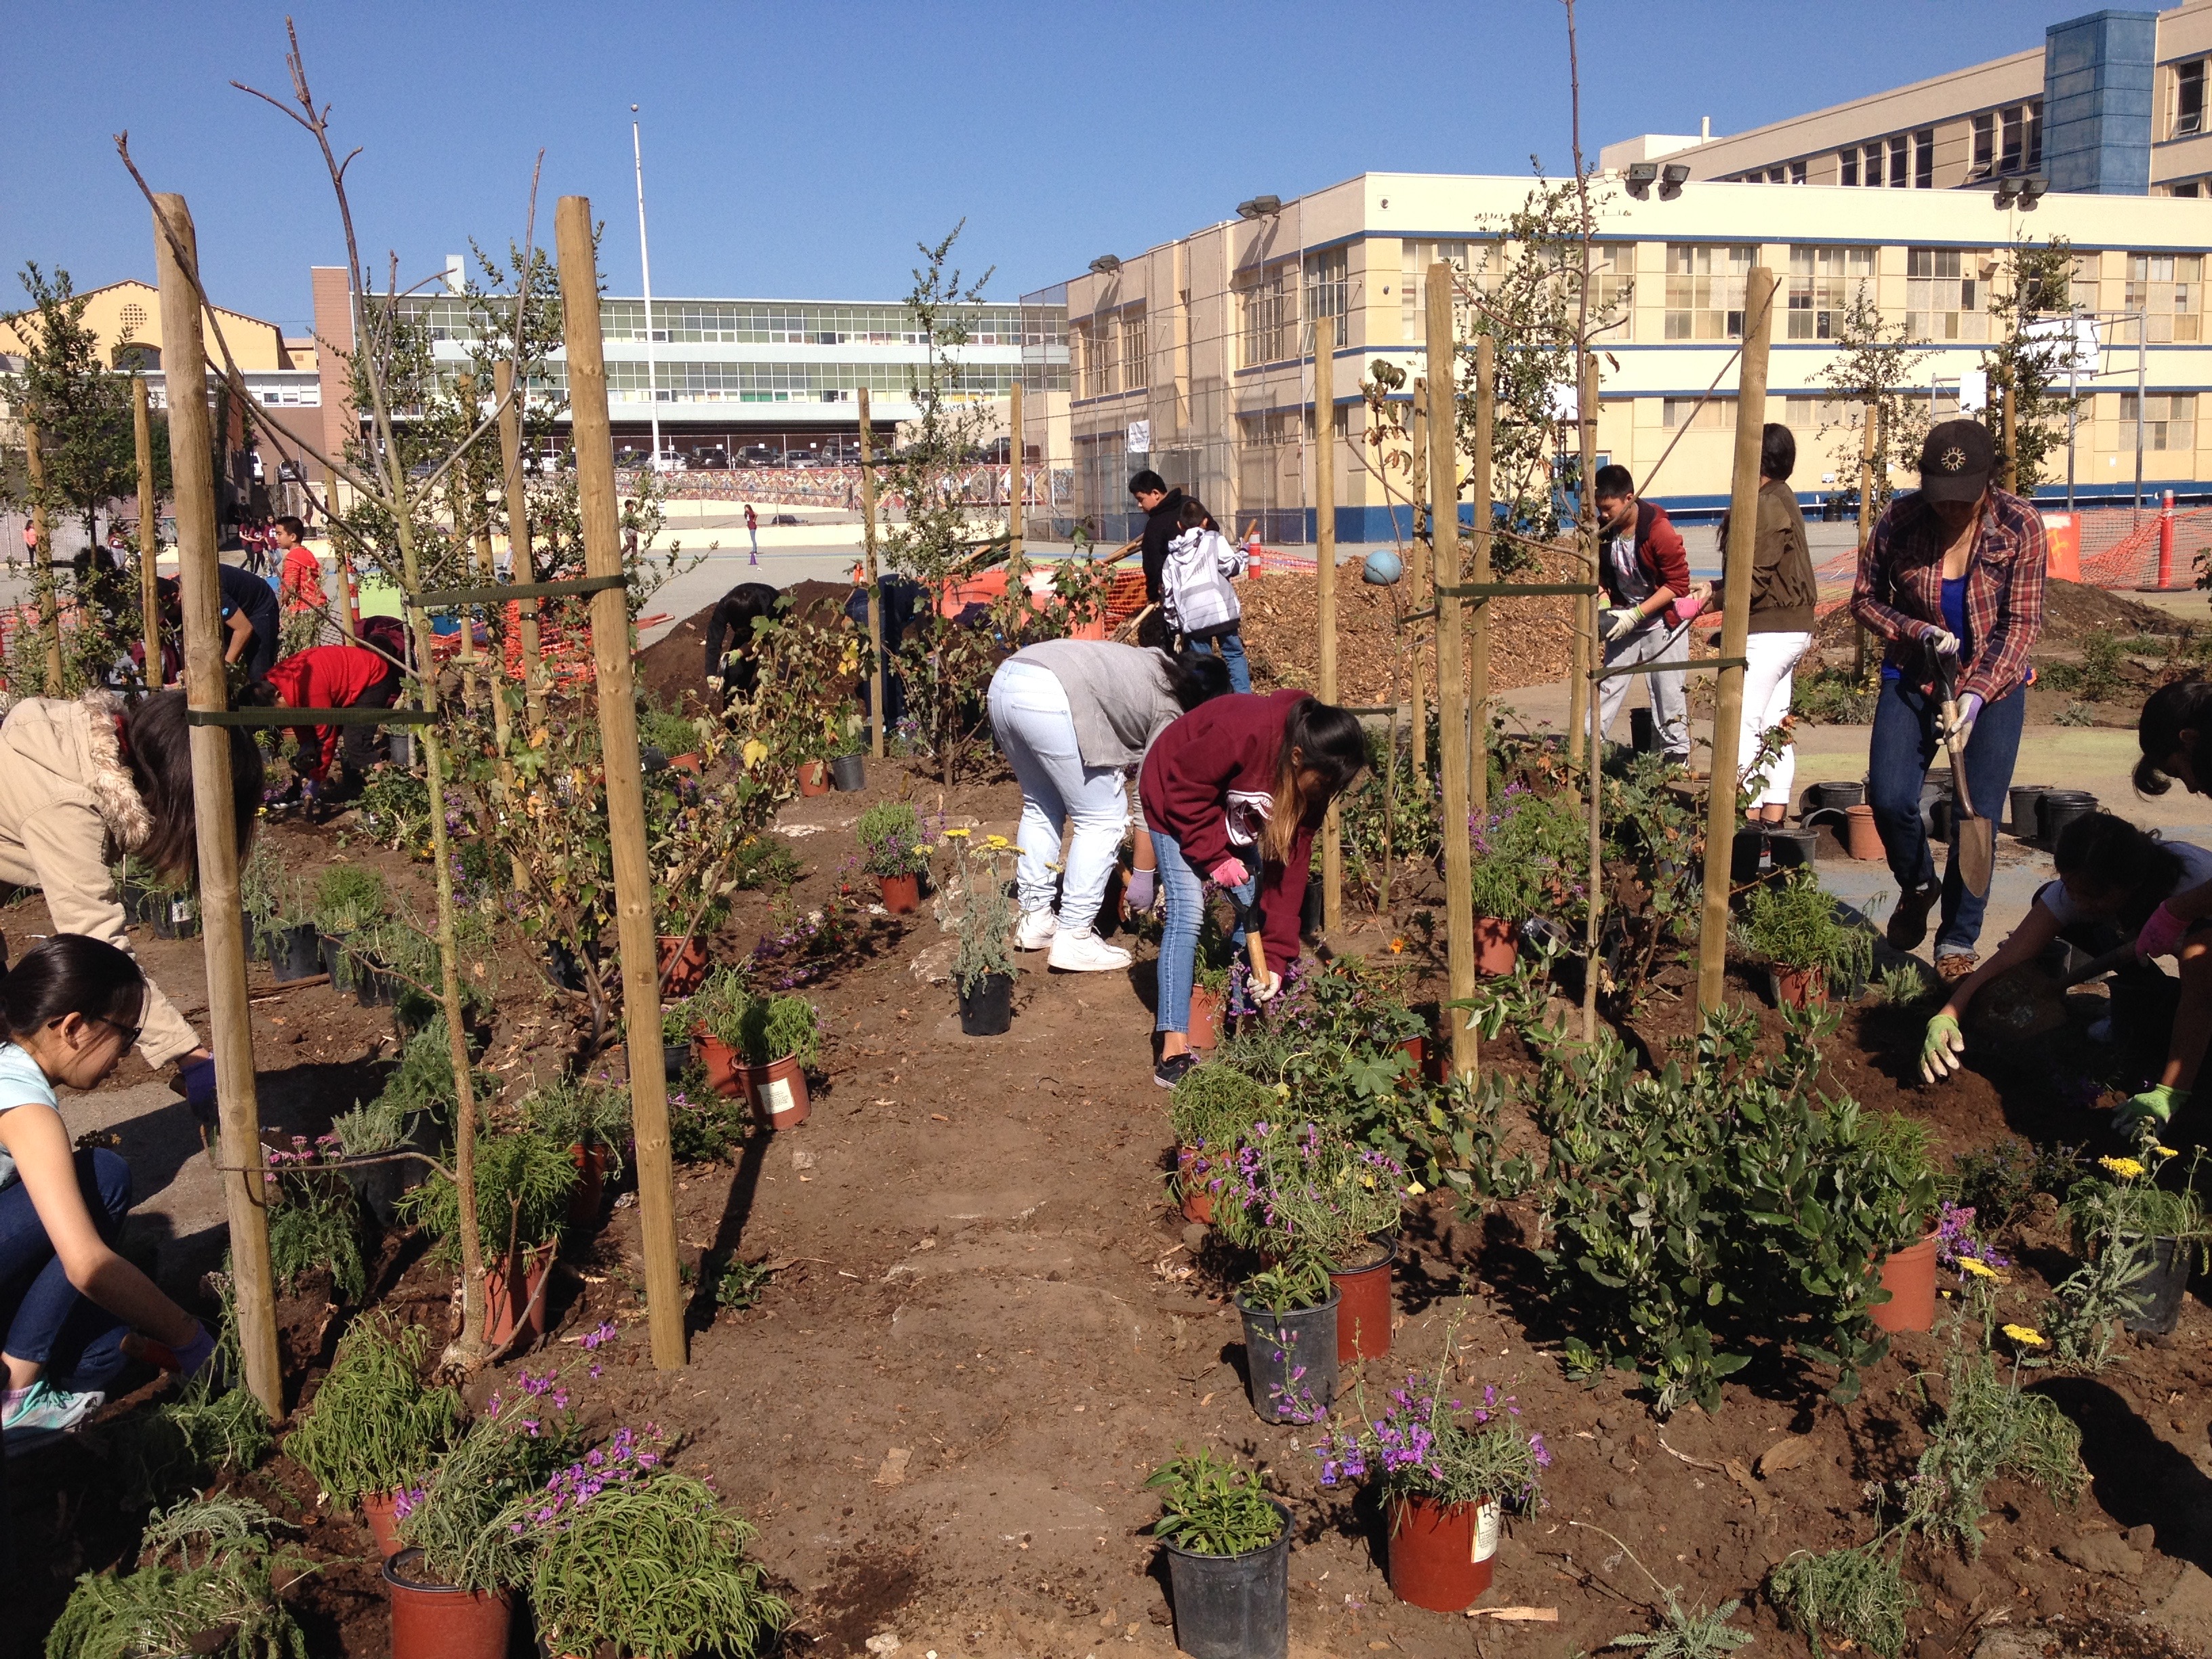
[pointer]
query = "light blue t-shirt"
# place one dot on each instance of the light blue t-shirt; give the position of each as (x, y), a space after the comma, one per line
(22, 1083)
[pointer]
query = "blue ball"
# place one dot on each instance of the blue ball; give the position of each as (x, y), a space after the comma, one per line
(1382, 567)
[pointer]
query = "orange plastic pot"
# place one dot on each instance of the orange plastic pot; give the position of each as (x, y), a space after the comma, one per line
(1798, 987)
(383, 1525)
(1190, 1182)
(1909, 1276)
(777, 1091)
(1204, 1018)
(814, 778)
(431, 1621)
(1861, 840)
(690, 762)
(721, 1063)
(683, 963)
(902, 894)
(1497, 946)
(1415, 1049)
(591, 1188)
(514, 1299)
(1442, 1555)
(1363, 1317)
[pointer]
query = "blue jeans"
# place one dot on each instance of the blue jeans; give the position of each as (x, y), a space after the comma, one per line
(78, 1341)
(1184, 886)
(1903, 747)
(1230, 647)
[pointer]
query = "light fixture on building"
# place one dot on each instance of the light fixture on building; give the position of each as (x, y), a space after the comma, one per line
(2007, 192)
(2032, 189)
(1105, 264)
(1642, 175)
(1259, 207)
(1672, 178)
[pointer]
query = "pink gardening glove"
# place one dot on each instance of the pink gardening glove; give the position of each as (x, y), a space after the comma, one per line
(1231, 873)
(1687, 609)
(2160, 935)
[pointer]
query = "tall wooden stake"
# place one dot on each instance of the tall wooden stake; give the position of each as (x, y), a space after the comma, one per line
(1324, 496)
(1485, 396)
(2011, 443)
(1867, 445)
(1417, 579)
(617, 704)
(467, 502)
(229, 1022)
(149, 537)
(42, 558)
(1586, 606)
(1451, 682)
(1015, 458)
(1735, 628)
(522, 562)
(875, 596)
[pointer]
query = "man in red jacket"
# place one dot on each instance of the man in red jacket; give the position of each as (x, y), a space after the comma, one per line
(333, 677)
(1646, 576)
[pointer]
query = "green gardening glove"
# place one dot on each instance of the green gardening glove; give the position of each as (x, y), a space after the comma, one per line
(2149, 1111)
(1941, 1049)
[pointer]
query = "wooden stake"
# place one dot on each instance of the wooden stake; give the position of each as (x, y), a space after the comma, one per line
(467, 503)
(875, 596)
(1735, 628)
(636, 941)
(1586, 610)
(2011, 444)
(149, 537)
(1014, 473)
(1452, 683)
(1417, 579)
(1867, 443)
(42, 558)
(223, 923)
(1485, 409)
(522, 563)
(1324, 496)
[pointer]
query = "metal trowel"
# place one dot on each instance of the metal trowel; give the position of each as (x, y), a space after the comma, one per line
(1973, 835)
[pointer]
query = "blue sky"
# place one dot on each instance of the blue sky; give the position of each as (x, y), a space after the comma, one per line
(802, 150)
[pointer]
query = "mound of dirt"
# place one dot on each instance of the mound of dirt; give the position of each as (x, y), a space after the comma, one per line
(676, 663)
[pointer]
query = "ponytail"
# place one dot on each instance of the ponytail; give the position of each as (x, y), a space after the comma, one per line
(71, 974)
(1321, 739)
(159, 740)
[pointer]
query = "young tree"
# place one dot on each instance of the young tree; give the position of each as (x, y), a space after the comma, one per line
(81, 406)
(1872, 369)
(2033, 281)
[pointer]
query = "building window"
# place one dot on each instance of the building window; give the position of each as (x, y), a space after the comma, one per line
(1944, 297)
(1806, 415)
(1899, 157)
(1797, 172)
(2035, 137)
(1985, 145)
(1822, 282)
(2188, 98)
(2169, 288)
(2013, 156)
(1923, 159)
(1777, 176)
(1270, 304)
(2169, 420)
(1415, 258)
(1704, 290)
(1847, 166)
(1713, 414)
(1613, 282)
(2192, 190)
(1873, 154)
(1326, 285)
(1136, 359)
(1105, 361)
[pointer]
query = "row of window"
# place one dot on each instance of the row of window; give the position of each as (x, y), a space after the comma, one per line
(2005, 140)
(456, 317)
(785, 383)
(2169, 419)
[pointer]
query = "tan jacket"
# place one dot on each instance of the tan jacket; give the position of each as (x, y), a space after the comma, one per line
(67, 804)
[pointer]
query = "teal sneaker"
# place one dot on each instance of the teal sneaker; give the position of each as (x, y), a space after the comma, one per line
(44, 1412)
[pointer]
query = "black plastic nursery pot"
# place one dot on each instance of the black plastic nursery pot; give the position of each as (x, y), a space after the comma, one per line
(173, 915)
(2027, 810)
(674, 1057)
(988, 1009)
(849, 773)
(1233, 1607)
(2162, 1287)
(400, 746)
(332, 949)
(374, 986)
(1291, 1359)
(2059, 807)
(295, 953)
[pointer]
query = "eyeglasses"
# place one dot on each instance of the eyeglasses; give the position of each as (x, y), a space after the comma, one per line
(129, 1033)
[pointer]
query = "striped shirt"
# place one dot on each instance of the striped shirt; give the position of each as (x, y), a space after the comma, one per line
(1899, 591)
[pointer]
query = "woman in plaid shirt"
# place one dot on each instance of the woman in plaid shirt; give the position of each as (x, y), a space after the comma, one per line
(1956, 569)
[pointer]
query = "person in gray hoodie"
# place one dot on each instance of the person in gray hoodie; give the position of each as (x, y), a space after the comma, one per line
(1196, 594)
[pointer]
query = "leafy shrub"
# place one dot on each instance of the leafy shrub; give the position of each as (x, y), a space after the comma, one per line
(1791, 922)
(374, 1426)
(206, 1588)
(1212, 1507)
(523, 1179)
(1854, 1597)
(892, 841)
(703, 1128)
(577, 1111)
(182, 1442)
(1834, 696)
(349, 898)
(1299, 1281)
(1999, 1182)
(316, 1221)
(760, 1030)
(1399, 807)
(1990, 1429)
(1532, 856)
(1307, 1190)
(670, 734)
(2074, 714)
(459, 1517)
(1216, 1105)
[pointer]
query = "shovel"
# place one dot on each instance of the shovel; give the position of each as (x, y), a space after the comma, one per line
(1973, 834)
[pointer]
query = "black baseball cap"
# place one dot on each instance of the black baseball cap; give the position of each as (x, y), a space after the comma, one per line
(1956, 461)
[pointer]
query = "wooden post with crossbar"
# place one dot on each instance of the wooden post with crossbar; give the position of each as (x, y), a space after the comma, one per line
(1451, 680)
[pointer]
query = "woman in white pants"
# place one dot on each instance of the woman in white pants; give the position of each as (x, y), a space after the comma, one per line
(1073, 717)
(1782, 594)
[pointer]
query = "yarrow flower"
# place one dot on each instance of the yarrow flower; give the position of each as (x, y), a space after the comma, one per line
(1979, 1269)
(2025, 1337)
(2126, 1168)
(2166, 1151)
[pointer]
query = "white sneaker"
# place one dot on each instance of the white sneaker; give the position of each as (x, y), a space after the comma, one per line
(44, 1412)
(1034, 930)
(1085, 952)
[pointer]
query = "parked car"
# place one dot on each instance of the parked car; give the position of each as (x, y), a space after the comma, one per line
(669, 461)
(758, 455)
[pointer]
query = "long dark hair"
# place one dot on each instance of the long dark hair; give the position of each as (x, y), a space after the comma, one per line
(2184, 706)
(1778, 460)
(71, 974)
(2117, 857)
(1199, 677)
(161, 758)
(1324, 739)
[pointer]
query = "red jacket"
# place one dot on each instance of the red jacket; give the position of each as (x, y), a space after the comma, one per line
(326, 677)
(1229, 748)
(1659, 554)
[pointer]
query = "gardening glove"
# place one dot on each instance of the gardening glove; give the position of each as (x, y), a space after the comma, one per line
(2160, 935)
(1142, 887)
(2153, 1108)
(1231, 873)
(198, 1078)
(1619, 623)
(1940, 1050)
(1268, 992)
(1942, 641)
(1970, 710)
(186, 1361)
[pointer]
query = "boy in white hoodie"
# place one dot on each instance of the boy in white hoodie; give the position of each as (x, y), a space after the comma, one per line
(1195, 593)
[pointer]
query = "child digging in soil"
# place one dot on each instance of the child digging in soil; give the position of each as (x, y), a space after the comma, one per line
(2115, 883)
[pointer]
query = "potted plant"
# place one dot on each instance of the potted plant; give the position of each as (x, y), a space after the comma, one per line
(1790, 921)
(523, 1181)
(848, 764)
(1444, 1479)
(350, 899)
(1529, 855)
(207, 1586)
(171, 906)
(676, 1021)
(1290, 1314)
(1212, 965)
(1900, 1157)
(895, 851)
(759, 1047)
(295, 944)
(1229, 1559)
(592, 1120)
(2163, 1228)
(382, 1129)
(375, 1428)
(1212, 1109)
(674, 738)
(1505, 892)
(979, 911)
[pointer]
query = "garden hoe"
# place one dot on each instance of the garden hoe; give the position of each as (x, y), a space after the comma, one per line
(1974, 835)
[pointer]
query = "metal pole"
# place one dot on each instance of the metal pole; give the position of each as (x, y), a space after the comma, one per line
(875, 594)
(2143, 353)
(1735, 628)
(2073, 395)
(149, 537)
(645, 270)
(1324, 498)
(1451, 682)
(1014, 458)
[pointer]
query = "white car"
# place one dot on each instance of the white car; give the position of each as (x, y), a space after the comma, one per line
(669, 461)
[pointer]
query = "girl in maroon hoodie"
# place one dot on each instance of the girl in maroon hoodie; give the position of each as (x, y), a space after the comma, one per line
(1233, 793)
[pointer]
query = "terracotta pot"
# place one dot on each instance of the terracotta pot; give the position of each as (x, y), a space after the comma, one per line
(1861, 838)
(1497, 946)
(590, 1186)
(1909, 1276)
(514, 1302)
(1190, 1182)
(690, 762)
(429, 1622)
(814, 778)
(383, 1526)
(777, 1091)
(902, 894)
(1206, 1010)
(1798, 987)
(682, 965)
(1417, 1050)
(1442, 1555)
(721, 1063)
(1363, 1317)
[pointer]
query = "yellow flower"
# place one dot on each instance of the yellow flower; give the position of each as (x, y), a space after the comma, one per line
(1979, 1269)
(756, 751)
(1397, 945)
(922, 851)
(962, 834)
(2166, 1151)
(2022, 1335)
(997, 843)
(2126, 1168)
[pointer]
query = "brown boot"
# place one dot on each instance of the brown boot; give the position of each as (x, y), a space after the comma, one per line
(1908, 923)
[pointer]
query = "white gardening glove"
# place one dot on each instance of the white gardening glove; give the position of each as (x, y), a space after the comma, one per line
(1619, 623)
(1945, 642)
(1268, 992)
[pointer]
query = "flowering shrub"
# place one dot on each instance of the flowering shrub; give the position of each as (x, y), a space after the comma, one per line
(1419, 1447)
(1307, 1190)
